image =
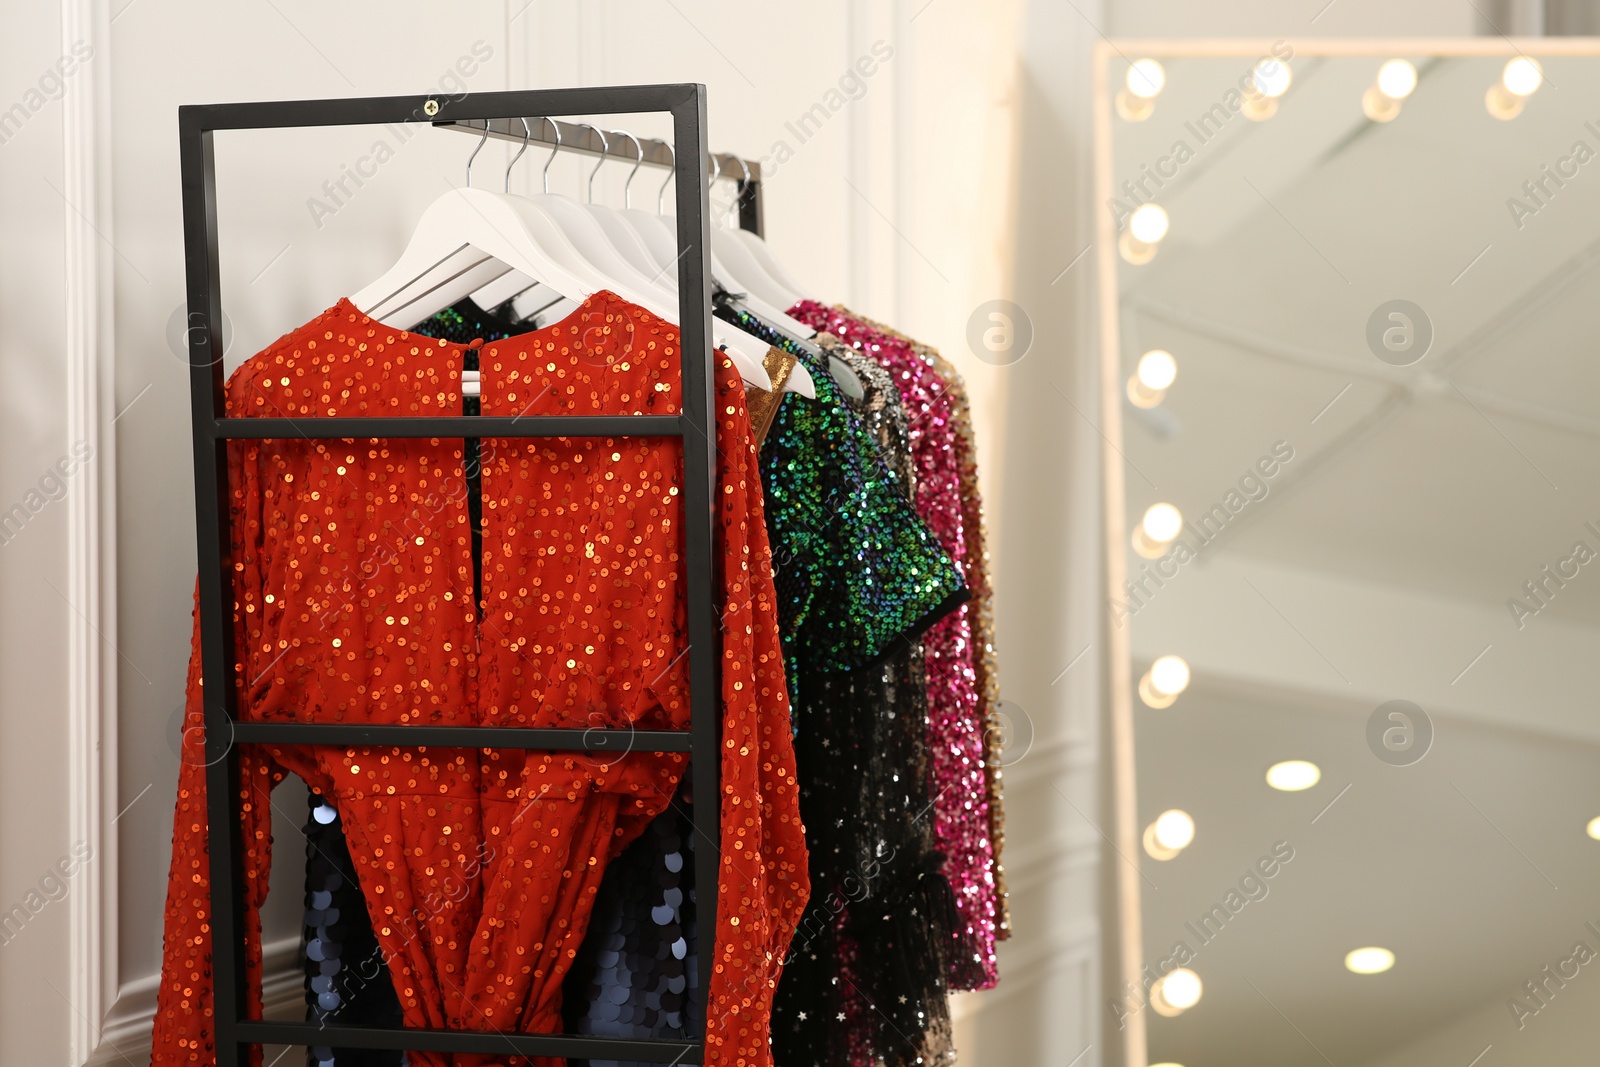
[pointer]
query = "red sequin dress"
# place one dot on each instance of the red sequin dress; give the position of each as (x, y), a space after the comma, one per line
(353, 585)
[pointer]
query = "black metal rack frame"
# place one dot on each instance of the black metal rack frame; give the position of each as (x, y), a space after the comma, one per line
(695, 426)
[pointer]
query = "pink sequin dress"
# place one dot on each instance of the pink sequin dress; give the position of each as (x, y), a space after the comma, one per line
(955, 717)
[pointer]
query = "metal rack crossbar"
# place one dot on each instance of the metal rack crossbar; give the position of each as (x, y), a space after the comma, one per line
(686, 103)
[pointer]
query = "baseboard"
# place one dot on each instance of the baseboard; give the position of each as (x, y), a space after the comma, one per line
(125, 1037)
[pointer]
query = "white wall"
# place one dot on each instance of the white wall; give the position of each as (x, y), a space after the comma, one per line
(34, 823)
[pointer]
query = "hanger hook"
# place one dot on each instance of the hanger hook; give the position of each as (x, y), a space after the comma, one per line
(527, 134)
(556, 126)
(738, 199)
(672, 168)
(605, 146)
(627, 186)
(481, 142)
(716, 174)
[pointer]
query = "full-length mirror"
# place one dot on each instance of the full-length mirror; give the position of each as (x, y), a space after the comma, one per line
(1355, 296)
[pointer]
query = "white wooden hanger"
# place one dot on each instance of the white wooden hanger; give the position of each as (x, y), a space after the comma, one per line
(606, 267)
(656, 257)
(659, 237)
(746, 274)
(752, 276)
(464, 238)
(469, 236)
(623, 236)
(769, 262)
(646, 290)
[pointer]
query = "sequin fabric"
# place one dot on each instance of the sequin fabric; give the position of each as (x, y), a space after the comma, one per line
(344, 932)
(955, 722)
(352, 584)
(975, 570)
(865, 982)
(636, 975)
(857, 568)
(345, 979)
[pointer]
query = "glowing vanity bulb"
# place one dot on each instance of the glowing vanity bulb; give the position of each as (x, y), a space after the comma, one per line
(1293, 775)
(1522, 76)
(1174, 829)
(1157, 369)
(1369, 960)
(1169, 675)
(1162, 523)
(1146, 78)
(1593, 829)
(1272, 78)
(1175, 992)
(1168, 835)
(1396, 79)
(1157, 530)
(1148, 223)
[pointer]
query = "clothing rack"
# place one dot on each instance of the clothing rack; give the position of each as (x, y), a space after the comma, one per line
(502, 113)
(650, 152)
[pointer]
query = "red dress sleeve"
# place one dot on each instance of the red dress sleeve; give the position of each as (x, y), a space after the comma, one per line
(762, 884)
(184, 1028)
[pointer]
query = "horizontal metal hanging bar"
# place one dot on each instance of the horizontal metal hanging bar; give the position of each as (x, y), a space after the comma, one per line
(436, 107)
(493, 1043)
(454, 426)
(553, 739)
(583, 140)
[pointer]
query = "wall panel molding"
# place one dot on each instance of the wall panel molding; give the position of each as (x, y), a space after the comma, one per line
(125, 1037)
(91, 518)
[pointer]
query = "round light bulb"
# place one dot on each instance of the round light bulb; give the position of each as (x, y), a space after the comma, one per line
(1174, 829)
(1169, 675)
(1272, 77)
(1522, 76)
(1502, 103)
(1293, 775)
(1147, 692)
(1142, 396)
(1379, 107)
(1162, 522)
(1148, 223)
(1593, 829)
(1369, 960)
(1396, 79)
(1180, 988)
(1157, 369)
(1146, 78)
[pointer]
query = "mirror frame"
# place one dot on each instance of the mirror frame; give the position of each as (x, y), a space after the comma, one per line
(1124, 963)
